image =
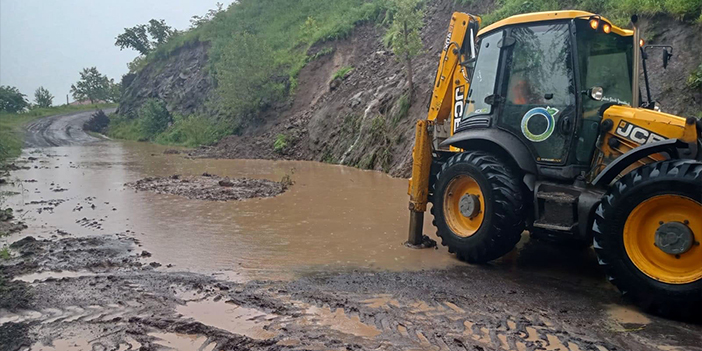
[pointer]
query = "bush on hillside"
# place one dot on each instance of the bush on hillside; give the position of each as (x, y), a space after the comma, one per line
(154, 117)
(192, 131)
(243, 74)
(695, 79)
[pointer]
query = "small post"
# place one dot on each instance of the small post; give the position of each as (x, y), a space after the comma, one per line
(419, 183)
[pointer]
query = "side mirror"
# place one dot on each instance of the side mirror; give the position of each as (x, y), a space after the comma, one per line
(596, 93)
(666, 57)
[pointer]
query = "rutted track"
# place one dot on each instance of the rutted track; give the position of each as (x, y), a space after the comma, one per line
(60, 130)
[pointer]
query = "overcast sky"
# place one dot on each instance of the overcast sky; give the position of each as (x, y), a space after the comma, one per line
(47, 42)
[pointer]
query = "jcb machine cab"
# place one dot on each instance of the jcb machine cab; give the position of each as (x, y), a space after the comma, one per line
(536, 122)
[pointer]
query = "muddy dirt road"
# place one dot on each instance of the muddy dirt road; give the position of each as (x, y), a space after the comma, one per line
(61, 130)
(320, 266)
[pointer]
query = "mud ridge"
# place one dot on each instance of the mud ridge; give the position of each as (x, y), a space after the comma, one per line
(211, 187)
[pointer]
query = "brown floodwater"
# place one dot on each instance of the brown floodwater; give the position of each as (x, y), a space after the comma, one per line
(332, 218)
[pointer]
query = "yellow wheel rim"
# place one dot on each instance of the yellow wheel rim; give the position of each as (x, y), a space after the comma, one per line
(463, 224)
(640, 239)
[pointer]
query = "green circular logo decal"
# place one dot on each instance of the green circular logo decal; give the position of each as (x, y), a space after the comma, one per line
(546, 115)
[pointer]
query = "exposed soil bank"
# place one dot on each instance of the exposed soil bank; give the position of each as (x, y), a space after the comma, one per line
(212, 187)
(365, 120)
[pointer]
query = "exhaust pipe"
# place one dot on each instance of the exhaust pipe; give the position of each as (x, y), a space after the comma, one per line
(636, 69)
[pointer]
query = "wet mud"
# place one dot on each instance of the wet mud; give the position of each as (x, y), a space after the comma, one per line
(318, 267)
(120, 302)
(212, 187)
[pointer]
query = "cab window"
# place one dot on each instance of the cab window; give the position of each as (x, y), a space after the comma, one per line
(539, 88)
(484, 75)
(605, 61)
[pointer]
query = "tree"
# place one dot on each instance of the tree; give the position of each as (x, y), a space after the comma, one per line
(144, 38)
(11, 100)
(43, 97)
(115, 92)
(196, 21)
(92, 86)
(403, 35)
(159, 31)
(136, 38)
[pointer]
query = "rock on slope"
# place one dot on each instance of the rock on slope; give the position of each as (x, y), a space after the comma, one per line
(364, 121)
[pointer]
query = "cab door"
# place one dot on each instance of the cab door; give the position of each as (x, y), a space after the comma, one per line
(538, 89)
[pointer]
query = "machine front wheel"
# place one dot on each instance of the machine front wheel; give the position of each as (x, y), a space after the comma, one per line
(478, 207)
(647, 235)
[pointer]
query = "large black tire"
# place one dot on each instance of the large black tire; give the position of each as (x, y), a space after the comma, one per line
(503, 220)
(676, 177)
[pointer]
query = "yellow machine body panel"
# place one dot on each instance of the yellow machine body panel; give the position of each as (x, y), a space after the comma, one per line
(633, 127)
(451, 83)
(550, 16)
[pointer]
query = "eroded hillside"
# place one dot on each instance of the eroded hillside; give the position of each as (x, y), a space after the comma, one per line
(365, 118)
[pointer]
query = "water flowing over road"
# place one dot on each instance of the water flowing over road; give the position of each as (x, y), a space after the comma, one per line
(320, 266)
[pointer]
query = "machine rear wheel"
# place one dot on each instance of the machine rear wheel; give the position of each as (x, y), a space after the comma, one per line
(477, 207)
(647, 235)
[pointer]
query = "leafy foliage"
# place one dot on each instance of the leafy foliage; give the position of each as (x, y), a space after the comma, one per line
(145, 37)
(281, 143)
(343, 72)
(243, 74)
(403, 35)
(95, 87)
(197, 21)
(193, 131)
(154, 118)
(43, 98)
(159, 31)
(136, 38)
(5, 253)
(11, 100)
(695, 79)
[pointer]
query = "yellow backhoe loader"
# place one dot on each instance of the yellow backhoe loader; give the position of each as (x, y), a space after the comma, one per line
(537, 122)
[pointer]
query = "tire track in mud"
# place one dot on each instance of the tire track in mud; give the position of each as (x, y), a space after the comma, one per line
(448, 326)
(380, 321)
(125, 302)
(69, 314)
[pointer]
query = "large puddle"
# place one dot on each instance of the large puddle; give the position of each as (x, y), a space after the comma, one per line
(333, 218)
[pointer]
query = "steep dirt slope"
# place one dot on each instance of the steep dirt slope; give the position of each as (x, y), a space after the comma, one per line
(361, 122)
(364, 121)
(668, 86)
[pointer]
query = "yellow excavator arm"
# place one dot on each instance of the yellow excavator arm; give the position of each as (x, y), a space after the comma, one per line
(447, 107)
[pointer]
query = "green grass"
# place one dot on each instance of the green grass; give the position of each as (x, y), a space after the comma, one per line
(694, 81)
(281, 143)
(287, 32)
(618, 11)
(11, 125)
(190, 131)
(5, 253)
(342, 73)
